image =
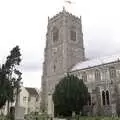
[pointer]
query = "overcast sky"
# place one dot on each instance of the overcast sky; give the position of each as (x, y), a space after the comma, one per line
(24, 23)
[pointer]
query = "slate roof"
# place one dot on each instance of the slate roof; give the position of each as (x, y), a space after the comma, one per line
(96, 62)
(32, 91)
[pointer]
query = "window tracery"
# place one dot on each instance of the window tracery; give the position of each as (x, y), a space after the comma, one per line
(105, 97)
(97, 75)
(84, 77)
(112, 72)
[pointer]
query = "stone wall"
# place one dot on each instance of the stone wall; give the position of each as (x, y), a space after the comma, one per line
(62, 54)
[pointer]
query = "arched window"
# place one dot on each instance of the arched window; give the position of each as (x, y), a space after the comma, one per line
(112, 72)
(97, 75)
(103, 97)
(84, 77)
(89, 100)
(55, 34)
(55, 65)
(107, 97)
(73, 33)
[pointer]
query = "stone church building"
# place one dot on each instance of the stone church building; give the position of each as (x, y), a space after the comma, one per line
(65, 53)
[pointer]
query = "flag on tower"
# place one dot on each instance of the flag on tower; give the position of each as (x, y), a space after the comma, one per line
(68, 1)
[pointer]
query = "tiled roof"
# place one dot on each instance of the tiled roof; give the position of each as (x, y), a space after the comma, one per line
(96, 62)
(32, 91)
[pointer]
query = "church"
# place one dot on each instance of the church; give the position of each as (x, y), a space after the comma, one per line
(65, 53)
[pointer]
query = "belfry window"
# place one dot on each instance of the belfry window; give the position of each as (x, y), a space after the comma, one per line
(112, 72)
(55, 34)
(84, 77)
(97, 75)
(73, 35)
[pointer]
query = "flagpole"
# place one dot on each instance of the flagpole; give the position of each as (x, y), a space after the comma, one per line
(67, 5)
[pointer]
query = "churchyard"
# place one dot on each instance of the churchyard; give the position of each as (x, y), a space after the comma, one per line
(84, 118)
(78, 118)
(43, 117)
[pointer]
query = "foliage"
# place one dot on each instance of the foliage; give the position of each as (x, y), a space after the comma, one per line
(70, 95)
(4, 86)
(10, 77)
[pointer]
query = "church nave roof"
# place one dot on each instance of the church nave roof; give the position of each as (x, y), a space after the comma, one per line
(96, 62)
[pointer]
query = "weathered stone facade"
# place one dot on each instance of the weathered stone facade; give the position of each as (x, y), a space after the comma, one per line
(107, 82)
(64, 53)
(64, 49)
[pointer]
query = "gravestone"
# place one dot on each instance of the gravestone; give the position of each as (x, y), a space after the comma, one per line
(19, 114)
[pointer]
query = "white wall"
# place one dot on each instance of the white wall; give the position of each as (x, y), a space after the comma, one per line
(26, 101)
(23, 99)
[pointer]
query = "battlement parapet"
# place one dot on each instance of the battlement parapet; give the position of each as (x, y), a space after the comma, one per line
(66, 14)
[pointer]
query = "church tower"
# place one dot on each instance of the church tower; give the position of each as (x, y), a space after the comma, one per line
(64, 49)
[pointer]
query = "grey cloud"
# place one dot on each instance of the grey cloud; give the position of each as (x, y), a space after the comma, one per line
(32, 66)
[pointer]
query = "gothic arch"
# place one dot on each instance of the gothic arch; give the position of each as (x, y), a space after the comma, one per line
(103, 97)
(73, 33)
(112, 72)
(55, 34)
(97, 75)
(107, 97)
(90, 99)
(55, 65)
(84, 76)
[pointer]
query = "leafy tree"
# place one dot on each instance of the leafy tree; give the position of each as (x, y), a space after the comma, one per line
(10, 77)
(70, 95)
(4, 84)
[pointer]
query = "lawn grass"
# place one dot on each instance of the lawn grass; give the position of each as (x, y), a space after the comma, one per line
(44, 117)
(98, 118)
